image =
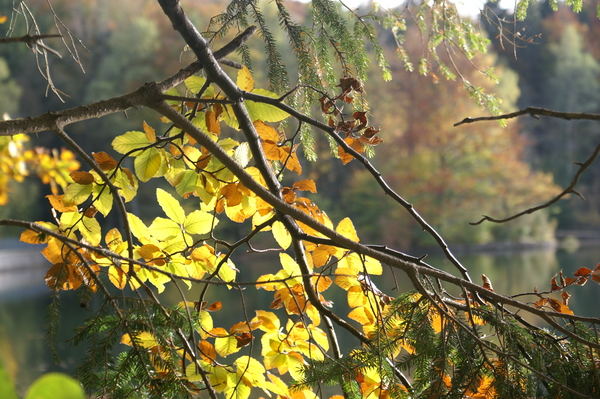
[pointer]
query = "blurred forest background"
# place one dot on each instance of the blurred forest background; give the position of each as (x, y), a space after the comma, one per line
(452, 175)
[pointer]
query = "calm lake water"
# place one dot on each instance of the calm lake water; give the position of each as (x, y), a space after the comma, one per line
(24, 299)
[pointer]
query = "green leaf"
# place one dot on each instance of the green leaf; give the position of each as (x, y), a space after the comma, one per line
(90, 230)
(76, 193)
(164, 229)
(55, 386)
(104, 202)
(127, 184)
(147, 164)
(199, 222)
(129, 141)
(194, 83)
(265, 112)
(170, 206)
(188, 180)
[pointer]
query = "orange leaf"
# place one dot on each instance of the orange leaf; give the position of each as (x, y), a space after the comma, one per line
(82, 177)
(266, 132)
(56, 201)
(207, 351)
(150, 132)
(232, 194)
(214, 307)
(33, 237)
(212, 119)
(104, 160)
(306, 185)
(559, 307)
(354, 144)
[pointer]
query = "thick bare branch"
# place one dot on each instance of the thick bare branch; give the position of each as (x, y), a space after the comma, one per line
(142, 95)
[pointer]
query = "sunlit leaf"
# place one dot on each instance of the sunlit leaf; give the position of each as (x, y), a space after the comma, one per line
(130, 141)
(76, 193)
(265, 112)
(147, 164)
(346, 229)
(199, 222)
(170, 206)
(244, 79)
(281, 235)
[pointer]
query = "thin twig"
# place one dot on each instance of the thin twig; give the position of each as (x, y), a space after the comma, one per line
(570, 189)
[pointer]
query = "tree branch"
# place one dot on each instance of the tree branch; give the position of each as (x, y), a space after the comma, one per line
(570, 189)
(534, 112)
(142, 95)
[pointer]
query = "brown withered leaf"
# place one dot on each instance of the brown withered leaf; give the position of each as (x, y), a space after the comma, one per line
(90, 212)
(360, 116)
(212, 119)
(82, 177)
(348, 83)
(565, 297)
(243, 339)
(554, 284)
(583, 272)
(104, 160)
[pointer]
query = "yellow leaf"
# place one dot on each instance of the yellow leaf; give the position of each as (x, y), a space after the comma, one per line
(346, 228)
(244, 79)
(170, 206)
(143, 339)
(250, 370)
(363, 315)
(289, 265)
(281, 235)
(3, 19)
(356, 297)
(269, 321)
(226, 346)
